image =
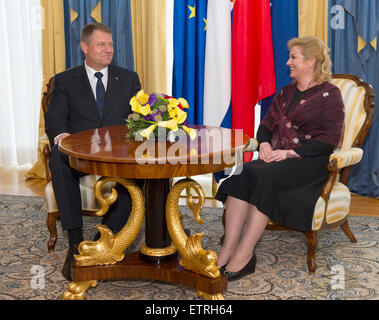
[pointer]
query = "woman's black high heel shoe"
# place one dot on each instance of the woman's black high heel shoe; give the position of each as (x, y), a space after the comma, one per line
(223, 268)
(246, 270)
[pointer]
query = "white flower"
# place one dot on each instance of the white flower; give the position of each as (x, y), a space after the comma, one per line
(325, 94)
(295, 140)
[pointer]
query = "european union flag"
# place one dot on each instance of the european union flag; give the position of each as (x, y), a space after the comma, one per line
(189, 53)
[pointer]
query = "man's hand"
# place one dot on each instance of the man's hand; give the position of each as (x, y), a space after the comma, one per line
(59, 138)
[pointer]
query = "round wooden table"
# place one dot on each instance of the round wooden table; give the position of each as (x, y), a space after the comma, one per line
(170, 253)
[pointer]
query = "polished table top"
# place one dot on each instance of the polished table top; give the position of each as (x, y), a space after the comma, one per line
(106, 151)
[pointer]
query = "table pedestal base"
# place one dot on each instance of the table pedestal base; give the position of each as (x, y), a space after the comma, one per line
(132, 267)
(169, 253)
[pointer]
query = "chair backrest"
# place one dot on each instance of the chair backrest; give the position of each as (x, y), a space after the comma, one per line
(48, 94)
(358, 97)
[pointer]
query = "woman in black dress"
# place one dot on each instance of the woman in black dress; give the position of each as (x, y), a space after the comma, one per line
(301, 129)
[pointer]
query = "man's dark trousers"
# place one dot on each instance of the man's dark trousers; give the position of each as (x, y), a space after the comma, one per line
(67, 193)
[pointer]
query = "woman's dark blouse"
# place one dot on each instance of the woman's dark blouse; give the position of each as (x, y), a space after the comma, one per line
(289, 200)
(311, 148)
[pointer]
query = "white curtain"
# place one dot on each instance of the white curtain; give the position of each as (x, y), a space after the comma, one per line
(20, 81)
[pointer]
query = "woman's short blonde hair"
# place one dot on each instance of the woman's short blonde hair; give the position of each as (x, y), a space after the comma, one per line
(314, 48)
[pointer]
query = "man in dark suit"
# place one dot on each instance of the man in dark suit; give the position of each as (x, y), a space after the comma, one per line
(90, 96)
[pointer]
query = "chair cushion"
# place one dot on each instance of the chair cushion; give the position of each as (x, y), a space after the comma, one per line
(87, 187)
(252, 146)
(318, 214)
(337, 207)
(355, 114)
(347, 158)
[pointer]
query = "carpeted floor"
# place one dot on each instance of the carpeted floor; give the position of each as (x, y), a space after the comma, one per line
(344, 270)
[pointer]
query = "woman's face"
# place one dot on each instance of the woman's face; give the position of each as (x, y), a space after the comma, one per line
(299, 66)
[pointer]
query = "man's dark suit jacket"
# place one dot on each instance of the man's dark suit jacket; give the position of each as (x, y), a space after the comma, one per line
(73, 107)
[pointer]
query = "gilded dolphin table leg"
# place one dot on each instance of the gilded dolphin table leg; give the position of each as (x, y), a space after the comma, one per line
(208, 296)
(109, 249)
(77, 290)
(194, 257)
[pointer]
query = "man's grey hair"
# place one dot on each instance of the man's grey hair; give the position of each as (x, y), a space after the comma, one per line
(87, 31)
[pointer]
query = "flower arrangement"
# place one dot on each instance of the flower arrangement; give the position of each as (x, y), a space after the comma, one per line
(154, 111)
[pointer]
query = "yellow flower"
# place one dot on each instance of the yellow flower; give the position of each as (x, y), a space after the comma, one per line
(183, 102)
(142, 97)
(172, 112)
(134, 104)
(141, 107)
(171, 124)
(173, 104)
(138, 108)
(181, 116)
(190, 131)
(148, 131)
(144, 110)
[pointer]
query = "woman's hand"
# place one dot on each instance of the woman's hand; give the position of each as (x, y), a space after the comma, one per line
(279, 155)
(265, 151)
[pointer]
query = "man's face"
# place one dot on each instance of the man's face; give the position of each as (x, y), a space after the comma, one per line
(99, 50)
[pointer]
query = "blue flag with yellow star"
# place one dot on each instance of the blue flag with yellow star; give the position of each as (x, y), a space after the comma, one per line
(189, 55)
(77, 14)
(353, 36)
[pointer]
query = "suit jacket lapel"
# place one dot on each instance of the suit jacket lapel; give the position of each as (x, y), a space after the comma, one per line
(112, 89)
(87, 94)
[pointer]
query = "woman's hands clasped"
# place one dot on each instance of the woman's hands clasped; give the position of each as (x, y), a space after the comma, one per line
(268, 155)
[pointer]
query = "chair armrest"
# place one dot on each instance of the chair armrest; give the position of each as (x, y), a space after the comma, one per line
(252, 146)
(328, 186)
(44, 145)
(42, 141)
(347, 158)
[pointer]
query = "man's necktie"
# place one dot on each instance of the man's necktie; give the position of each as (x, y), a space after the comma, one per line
(100, 92)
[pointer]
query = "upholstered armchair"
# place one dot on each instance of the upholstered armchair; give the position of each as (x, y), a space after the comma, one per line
(333, 205)
(90, 204)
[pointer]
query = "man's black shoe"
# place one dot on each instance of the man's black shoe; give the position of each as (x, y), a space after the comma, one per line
(70, 259)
